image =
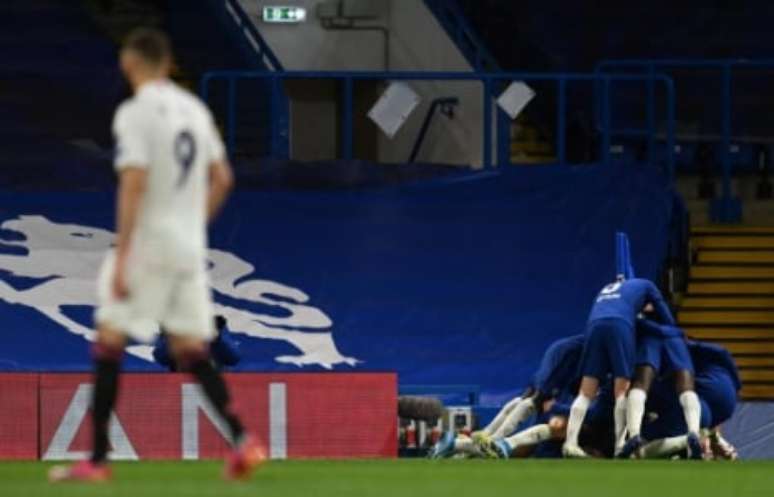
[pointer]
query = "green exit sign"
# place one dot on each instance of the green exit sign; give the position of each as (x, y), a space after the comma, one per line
(284, 14)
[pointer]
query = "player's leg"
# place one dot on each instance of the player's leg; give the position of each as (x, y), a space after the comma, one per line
(107, 354)
(115, 319)
(594, 365)
(188, 321)
(192, 354)
(517, 404)
(523, 410)
(588, 390)
(644, 375)
(620, 387)
(665, 447)
(648, 364)
(643, 378)
(621, 351)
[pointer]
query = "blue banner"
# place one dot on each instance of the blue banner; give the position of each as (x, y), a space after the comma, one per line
(460, 280)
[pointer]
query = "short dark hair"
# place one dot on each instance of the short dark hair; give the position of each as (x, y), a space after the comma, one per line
(151, 44)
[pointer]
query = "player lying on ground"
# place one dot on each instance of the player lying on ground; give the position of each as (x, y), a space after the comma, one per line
(173, 179)
(610, 349)
(556, 375)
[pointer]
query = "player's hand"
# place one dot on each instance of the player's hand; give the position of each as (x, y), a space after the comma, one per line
(120, 288)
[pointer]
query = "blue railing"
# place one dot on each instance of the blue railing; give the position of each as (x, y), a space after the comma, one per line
(727, 209)
(489, 81)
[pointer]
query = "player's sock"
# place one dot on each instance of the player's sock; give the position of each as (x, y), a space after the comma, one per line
(619, 422)
(664, 447)
(691, 410)
(520, 412)
(107, 366)
(635, 408)
(577, 413)
(500, 418)
(464, 445)
(199, 365)
(531, 436)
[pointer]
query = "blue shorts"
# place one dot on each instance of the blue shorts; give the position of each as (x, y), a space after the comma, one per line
(665, 355)
(609, 349)
(717, 388)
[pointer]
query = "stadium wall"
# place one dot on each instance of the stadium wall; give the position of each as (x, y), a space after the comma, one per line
(416, 43)
(166, 416)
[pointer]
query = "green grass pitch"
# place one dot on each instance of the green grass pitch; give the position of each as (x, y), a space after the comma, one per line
(411, 478)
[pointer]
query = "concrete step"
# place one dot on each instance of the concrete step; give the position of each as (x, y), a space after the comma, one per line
(757, 375)
(755, 361)
(732, 272)
(742, 317)
(731, 287)
(752, 392)
(750, 348)
(727, 333)
(733, 242)
(736, 257)
(733, 230)
(712, 302)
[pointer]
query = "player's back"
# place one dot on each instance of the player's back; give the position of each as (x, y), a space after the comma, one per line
(169, 131)
(622, 300)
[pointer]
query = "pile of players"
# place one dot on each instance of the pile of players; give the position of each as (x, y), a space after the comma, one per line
(631, 386)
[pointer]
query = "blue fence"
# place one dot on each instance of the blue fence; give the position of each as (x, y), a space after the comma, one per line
(491, 82)
(727, 208)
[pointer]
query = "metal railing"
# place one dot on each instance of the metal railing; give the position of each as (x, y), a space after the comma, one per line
(247, 29)
(489, 82)
(726, 69)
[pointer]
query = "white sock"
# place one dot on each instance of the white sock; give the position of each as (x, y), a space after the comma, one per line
(531, 436)
(635, 408)
(619, 419)
(500, 418)
(577, 413)
(691, 410)
(522, 411)
(664, 447)
(464, 445)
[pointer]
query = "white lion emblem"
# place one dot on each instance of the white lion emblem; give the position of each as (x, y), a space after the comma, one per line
(68, 257)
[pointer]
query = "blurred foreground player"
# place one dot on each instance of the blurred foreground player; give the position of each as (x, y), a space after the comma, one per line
(610, 349)
(173, 178)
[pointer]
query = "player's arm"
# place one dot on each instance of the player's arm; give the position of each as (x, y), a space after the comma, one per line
(659, 305)
(221, 182)
(131, 189)
(131, 163)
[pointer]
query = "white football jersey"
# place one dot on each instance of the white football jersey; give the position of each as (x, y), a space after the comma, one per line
(171, 133)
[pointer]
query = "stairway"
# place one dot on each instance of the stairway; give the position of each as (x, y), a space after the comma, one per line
(730, 300)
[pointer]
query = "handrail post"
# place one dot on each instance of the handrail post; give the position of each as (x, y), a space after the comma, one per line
(347, 126)
(561, 120)
(487, 121)
(231, 116)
